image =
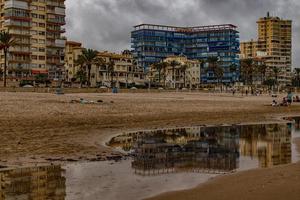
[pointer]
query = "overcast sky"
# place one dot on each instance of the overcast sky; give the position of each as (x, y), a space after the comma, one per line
(106, 24)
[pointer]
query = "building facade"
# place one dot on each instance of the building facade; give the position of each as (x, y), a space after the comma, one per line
(274, 44)
(153, 43)
(187, 73)
(72, 52)
(37, 27)
(125, 71)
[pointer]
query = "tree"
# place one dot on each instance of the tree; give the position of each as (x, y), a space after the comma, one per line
(233, 69)
(90, 57)
(174, 64)
(262, 69)
(297, 74)
(164, 66)
(276, 72)
(110, 68)
(6, 41)
(42, 79)
(81, 75)
(158, 67)
(247, 70)
(213, 66)
(184, 68)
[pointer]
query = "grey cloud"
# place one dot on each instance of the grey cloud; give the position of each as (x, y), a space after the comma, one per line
(106, 24)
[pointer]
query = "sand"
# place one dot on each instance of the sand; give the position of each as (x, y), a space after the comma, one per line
(43, 126)
(39, 127)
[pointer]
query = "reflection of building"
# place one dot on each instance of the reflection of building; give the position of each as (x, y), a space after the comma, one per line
(270, 143)
(35, 183)
(274, 44)
(210, 153)
(206, 148)
(152, 43)
(37, 28)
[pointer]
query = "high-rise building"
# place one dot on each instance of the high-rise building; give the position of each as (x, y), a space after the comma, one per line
(274, 44)
(37, 26)
(153, 43)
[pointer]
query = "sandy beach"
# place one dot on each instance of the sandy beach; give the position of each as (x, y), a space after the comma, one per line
(40, 127)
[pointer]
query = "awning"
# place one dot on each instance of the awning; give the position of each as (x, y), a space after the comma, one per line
(39, 71)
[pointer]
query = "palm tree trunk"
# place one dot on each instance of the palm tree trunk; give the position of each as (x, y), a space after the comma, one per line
(159, 72)
(89, 75)
(112, 80)
(173, 74)
(184, 81)
(5, 67)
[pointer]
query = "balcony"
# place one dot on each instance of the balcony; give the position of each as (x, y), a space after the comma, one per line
(16, 4)
(59, 43)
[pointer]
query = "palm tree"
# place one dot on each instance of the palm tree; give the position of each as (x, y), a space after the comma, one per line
(276, 71)
(90, 58)
(262, 69)
(233, 69)
(158, 67)
(247, 70)
(6, 41)
(80, 61)
(164, 66)
(297, 73)
(173, 64)
(213, 66)
(184, 68)
(110, 67)
(81, 75)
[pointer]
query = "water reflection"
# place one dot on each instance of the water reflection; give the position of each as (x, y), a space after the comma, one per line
(45, 182)
(206, 149)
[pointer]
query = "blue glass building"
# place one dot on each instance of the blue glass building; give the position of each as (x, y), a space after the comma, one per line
(153, 43)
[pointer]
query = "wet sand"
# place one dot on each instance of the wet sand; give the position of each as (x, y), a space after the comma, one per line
(277, 183)
(45, 127)
(274, 184)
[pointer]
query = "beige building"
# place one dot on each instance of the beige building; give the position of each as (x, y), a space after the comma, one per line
(189, 77)
(126, 72)
(274, 44)
(72, 52)
(37, 26)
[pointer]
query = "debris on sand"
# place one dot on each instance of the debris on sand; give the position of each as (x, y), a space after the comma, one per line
(85, 101)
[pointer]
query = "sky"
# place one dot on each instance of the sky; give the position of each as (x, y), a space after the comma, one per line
(106, 24)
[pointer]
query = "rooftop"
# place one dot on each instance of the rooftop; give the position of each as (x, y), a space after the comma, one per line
(185, 29)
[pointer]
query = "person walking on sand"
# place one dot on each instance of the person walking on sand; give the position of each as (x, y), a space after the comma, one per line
(290, 98)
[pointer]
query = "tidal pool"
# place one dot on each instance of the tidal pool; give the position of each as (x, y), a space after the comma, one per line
(158, 161)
